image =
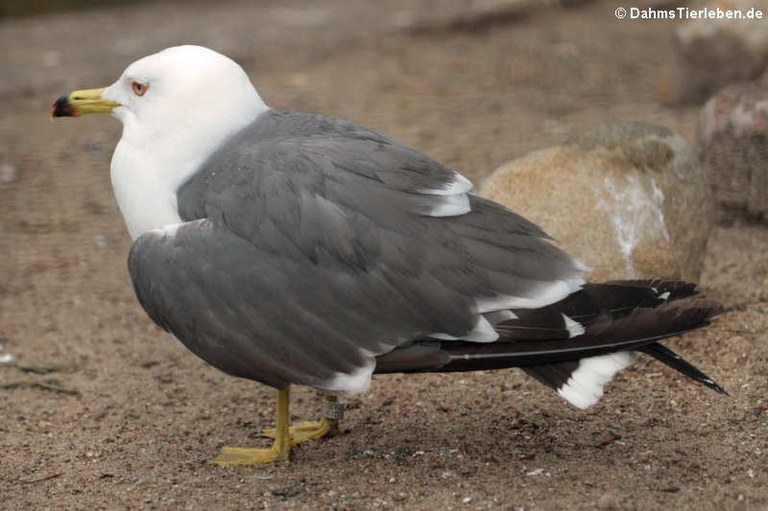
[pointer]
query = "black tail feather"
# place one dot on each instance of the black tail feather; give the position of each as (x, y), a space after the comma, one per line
(675, 361)
(622, 297)
(675, 288)
(615, 316)
(605, 334)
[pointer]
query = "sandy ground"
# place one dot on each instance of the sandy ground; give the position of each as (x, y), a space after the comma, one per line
(105, 411)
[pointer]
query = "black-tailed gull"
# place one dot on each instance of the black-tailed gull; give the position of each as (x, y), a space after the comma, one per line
(298, 249)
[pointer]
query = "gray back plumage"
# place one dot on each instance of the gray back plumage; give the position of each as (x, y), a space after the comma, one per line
(310, 246)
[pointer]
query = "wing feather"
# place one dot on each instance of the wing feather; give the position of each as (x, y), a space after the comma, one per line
(311, 246)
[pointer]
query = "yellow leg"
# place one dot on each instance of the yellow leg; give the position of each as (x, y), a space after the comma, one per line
(280, 450)
(311, 430)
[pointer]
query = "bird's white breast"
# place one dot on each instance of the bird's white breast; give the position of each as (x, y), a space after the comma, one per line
(145, 193)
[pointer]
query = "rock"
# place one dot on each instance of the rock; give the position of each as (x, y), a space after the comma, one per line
(715, 53)
(630, 200)
(733, 139)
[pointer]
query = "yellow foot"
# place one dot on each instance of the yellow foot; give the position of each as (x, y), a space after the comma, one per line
(304, 431)
(285, 437)
(230, 456)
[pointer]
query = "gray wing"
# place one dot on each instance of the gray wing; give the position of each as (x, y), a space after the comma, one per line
(312, 245)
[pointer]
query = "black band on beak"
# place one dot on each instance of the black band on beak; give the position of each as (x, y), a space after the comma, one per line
(64, 108)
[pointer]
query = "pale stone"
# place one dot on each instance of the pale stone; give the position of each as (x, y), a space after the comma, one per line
(733, 135)
(629, 200)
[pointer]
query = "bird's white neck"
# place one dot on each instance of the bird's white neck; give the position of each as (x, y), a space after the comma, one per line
(148, 169)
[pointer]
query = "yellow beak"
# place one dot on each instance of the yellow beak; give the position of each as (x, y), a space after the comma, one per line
(82, 102)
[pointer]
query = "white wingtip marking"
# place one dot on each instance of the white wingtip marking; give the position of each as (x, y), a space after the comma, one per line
(482, 332)
(459, 186)
(585, 386)
(451, 205)
(574, 327)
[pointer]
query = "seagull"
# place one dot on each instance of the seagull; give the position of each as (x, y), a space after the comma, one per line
(300, 249)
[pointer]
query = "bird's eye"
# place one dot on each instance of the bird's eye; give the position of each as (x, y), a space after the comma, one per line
(139, 88)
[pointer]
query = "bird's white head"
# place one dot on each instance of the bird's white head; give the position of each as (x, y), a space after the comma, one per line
(177, 107)
(183, 90)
